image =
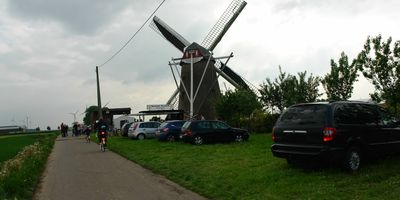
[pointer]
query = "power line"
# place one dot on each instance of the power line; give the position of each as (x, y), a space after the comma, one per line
(130, 39)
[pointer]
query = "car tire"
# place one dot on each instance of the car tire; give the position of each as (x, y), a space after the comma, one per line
(198, 140)
(239, 138)
(171, 138)
(141, 136)
(353, 159)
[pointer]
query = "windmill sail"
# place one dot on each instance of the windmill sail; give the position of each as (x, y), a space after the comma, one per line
(170, 34)
(223, 24)
(216, 34)
(232, 75)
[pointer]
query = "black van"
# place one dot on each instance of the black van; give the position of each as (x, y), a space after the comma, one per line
(344, 131)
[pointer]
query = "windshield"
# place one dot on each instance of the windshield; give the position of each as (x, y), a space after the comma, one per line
(304, 115)
(186, 125)
(163, 124)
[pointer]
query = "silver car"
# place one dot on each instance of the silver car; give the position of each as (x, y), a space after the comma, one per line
(143, 130)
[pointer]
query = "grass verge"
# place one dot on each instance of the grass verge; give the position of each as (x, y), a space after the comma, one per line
(19, 175)
(249, 171)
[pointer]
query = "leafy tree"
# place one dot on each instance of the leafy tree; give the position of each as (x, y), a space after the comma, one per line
(338, 84)
(88, 114)
(272, 93)
(381, 66)
(237, 104)
(287, 90)
(306, 89)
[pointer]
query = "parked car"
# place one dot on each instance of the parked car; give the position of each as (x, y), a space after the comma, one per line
(170, 130)
(346, 132)
(124, 128)
(202, 131)
(143, 130)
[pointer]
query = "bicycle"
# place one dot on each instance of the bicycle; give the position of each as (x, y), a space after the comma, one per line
(87, 138)
(103, 144)
(103, 141)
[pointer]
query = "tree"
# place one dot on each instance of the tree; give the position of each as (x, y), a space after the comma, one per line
(88, 114)
(306, 89)
(381, 66)
(272, 92)
(237, 104)
(287, 90)
(338, 84)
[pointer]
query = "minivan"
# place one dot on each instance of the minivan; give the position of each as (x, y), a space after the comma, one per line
(345, 131)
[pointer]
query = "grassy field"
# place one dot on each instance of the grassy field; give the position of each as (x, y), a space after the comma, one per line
(20, 173)
(11, 145)
(249, 171)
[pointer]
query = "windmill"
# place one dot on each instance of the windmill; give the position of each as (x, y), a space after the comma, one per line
(208, 91)
(74, 114)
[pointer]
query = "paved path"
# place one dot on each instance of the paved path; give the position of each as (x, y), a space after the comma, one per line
(77, 170)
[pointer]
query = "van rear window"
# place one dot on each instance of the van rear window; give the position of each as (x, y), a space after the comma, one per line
(304, 115)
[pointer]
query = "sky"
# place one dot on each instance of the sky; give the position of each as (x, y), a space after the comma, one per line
(49, 48)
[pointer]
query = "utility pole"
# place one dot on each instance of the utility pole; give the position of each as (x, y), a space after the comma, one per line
(98, 94)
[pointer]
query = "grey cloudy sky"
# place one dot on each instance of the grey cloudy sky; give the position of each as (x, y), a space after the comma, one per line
(49, 48)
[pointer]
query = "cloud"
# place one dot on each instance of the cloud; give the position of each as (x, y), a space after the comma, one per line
(49, 48)
(82, 17)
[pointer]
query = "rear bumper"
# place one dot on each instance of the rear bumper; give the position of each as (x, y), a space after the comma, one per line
(185, 138)
(307, 151)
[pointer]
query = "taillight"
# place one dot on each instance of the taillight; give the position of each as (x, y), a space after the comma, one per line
(103, 133)
(273, 134)
(165, 129)
(188, 132)
(135, 126)
(329, 134)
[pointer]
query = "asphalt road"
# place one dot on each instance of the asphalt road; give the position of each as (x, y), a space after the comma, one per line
(77, 170)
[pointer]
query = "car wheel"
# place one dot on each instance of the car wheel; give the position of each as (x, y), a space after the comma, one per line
(198, 140)
(352, 161)
(141, 136)
(170, 138)
(239, 138)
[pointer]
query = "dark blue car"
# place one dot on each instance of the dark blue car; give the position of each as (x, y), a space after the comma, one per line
(170, 130)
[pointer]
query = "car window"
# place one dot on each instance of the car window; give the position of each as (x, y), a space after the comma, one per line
(360, 114)
(155, 125)
(387, 119)
(164, 124)
(220, 125)
(143, 125)
(304, 115)
(204, 125)
(129, 125)
(343, 114)
(178, 124)
(369, 115)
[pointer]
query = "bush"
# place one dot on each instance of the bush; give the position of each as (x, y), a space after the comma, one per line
(262, 122)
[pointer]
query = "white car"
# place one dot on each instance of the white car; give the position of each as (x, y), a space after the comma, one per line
(143, 130)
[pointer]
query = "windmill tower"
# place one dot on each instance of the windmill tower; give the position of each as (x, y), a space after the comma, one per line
(208, 91)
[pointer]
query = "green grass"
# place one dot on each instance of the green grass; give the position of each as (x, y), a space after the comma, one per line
(11, 145)
(249, 171)
(19, 181)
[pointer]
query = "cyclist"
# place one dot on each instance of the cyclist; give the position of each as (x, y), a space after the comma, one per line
(87, 134)
(102, 130)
